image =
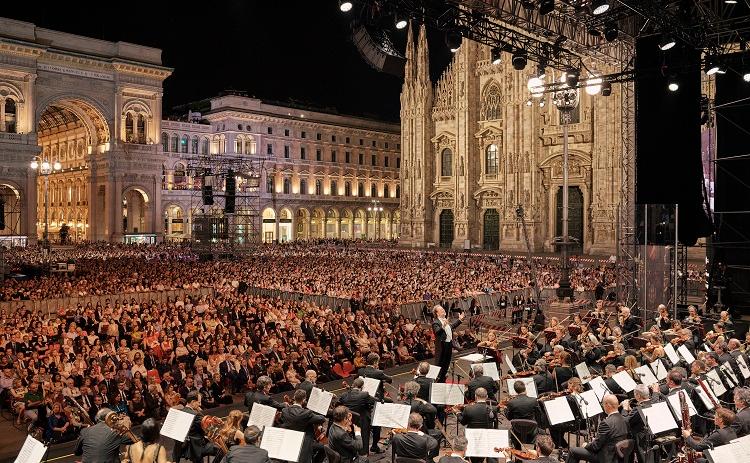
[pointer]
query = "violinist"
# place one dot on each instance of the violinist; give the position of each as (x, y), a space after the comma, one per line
(543, 379)
(414, 443)
(481, 382)
(642, 396)
(522, 406)
(726, 319)
(564, 372)
(490, 342)
(627, 321)
(557, 432)
(424, 408)
(480, 415)
(662, 320)
(692, 317)
(526, 356)
(544, 448)
(425, 383)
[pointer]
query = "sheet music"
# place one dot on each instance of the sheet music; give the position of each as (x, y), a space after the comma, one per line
(282, 444)
(583, 372)
(730, 372)
(599, 387)
(659, 418)
(645, 376)
(624, 380)
(530, 386)
(391, 415)
(473, 358)
(434, 372)
(490, 369)
(674, 403)
(482, 442)
(590, 409)
(261, 415)
(33, 451)
(319, 401)
(371, 385)
(447, 393)
(685, 353)
(177, 424)
(558, 410)
(510, 366)
(743, 367)
(714, 382)
(704, 398)
(742, 448)
(736, 451)
(659, 369)
(705, 346)
(671, 353)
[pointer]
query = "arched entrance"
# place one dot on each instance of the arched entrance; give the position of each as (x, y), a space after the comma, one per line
(285, 225)
(10, 210)
(135, 212)
(575, 217)
(491, 230)
(359, 224)
(396, 225)
(303, 224)
(175, 223)
(347, 219)
(269, 225)
(446, 228)
(316, 224)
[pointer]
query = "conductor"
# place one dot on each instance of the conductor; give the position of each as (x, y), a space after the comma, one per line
(443, 330)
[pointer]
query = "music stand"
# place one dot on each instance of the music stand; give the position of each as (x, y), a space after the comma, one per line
(664, 435)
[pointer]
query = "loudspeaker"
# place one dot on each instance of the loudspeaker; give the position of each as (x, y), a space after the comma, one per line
(377, 50)
(208, 195)
(229, 201)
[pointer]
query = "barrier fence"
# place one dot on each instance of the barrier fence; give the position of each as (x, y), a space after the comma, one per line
(317, 299)
(53, 305)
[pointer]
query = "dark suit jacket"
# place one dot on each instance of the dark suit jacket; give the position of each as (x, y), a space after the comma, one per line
(370, 372)
(98, 444)
(522, 407)
(544, 382)
(359, 402)
(344, 443)
(425, 384)
(306, 386)
(478, 415)
(612, 430)
(246, 454)
(440, 334)
(261, 398)
(451, 459)
(482, 381)
(303, 420)
(413, 445)
(715, 439)
(741, 424)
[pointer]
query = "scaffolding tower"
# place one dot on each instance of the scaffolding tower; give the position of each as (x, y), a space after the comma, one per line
(222, 223)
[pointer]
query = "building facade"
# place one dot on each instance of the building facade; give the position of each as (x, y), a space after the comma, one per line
(96, 107)
(321, 175)
(474, 149)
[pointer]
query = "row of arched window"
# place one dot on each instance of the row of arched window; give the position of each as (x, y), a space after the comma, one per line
(8, 110)
(185, 144)
(135, 128)
(286, 188)
(490, 161)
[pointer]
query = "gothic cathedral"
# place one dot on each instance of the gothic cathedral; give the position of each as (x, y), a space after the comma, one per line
(474, 150)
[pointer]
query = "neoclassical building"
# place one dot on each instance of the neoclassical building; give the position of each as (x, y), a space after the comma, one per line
(320, 172)
(473, 149)
(96, 107)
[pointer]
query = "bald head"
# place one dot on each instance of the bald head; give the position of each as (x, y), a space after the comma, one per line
(610, 403)
(438, 311)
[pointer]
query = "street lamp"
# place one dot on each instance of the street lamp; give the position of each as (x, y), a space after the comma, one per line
(566, 99)
(45, 167)
(377, 209)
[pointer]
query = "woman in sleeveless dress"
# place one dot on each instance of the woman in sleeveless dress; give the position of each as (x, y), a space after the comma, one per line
(148, 450)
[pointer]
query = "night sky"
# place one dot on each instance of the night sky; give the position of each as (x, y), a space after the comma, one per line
(276, 50)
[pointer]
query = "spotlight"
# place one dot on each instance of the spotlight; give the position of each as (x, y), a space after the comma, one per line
(572, 76)
(666, 42)
(401, 22)
(496, 55)
(610, 31)
(453, 40)
(593, 85)
(535, 86)
(599, 6)
(540, 72)
(672, 84)
(746, 76)
(345, 6)
(713, 66)
(529, 102)
(730, 2)
(606, 88)
(546, 6)
(519, 60)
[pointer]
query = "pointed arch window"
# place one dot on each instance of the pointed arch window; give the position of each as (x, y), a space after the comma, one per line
(194, 145)
(446, 162)
(141, 125)
(129, 134)
(205, 146)
(164, 142)
(491, 103)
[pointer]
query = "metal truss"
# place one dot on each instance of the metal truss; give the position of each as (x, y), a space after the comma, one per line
(214, 230)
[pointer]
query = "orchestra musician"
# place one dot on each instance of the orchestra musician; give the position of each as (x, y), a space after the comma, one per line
(311, 377)
(723, 419)
(544, 447)
(249, 453)
(425, 383)
(479, 414)
(522, 406)
(362, 403)
(195, 446)
(423, 407)
(627, 321)
(726, 319)
(742, 418)
(262, 395)
(481, 381)
(564, 371)
(371, 370)
(662, 320)
(414, 443)
(638, 430)
(458, 451)
(443, 330)
(692, 316)
(345, 437)
(98, 444)
(490, 342)
(611, 430)
(543, 379)
(298, 418)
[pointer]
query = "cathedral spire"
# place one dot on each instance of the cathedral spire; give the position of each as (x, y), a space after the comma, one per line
(423, 58)
(409, 67)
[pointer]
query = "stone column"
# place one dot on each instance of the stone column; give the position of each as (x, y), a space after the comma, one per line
(2, 115)
(338, 227)
(308, 227)
(277, 228)
(324, 232)
(294, 228)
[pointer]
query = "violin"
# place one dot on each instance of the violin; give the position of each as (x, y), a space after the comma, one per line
(521, 454)
(520, 374)
(320, 434)
(552, 395)
(611, 355)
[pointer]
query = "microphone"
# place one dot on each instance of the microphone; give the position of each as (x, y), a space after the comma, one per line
(583, 399)
(640, 374)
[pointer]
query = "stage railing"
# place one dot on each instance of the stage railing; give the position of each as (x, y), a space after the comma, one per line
(52, 306)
